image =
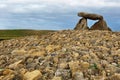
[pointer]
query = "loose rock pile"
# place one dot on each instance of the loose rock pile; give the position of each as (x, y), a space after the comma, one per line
(62, 55)
(82, 24)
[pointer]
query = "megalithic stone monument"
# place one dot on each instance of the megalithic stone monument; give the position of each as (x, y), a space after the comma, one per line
(82, 24)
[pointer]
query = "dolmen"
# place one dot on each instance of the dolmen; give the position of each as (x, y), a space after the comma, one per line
(82, 23)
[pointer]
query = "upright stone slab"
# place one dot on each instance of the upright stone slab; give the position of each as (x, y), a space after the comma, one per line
(100, 25)
(81, 25)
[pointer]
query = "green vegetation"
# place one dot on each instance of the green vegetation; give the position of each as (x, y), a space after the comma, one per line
(118, 65)
(9, 34)
(93, 66)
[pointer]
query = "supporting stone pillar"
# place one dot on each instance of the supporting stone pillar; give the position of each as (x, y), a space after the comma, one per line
(100, 25)
(82, 25)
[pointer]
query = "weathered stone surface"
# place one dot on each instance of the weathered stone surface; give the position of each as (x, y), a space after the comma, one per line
(64, 73)
(57, 78)
(7, 72)
(81, 25)
(19, 51)
(34, 75)
(85, 65)
(100, 25)
(38, 53)
(115, 77)
(74, 66)
(51, 48)
(14, 65)
(78, 76)
(90, 16)
(63, 65)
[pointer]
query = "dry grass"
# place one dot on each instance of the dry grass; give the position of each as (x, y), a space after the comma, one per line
(9, 34)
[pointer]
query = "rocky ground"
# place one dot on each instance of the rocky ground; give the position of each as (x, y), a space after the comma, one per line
(62, 55)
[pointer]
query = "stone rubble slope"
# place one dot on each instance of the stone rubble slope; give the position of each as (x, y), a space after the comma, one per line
(62, 55)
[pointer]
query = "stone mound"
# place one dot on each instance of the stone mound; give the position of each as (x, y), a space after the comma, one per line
(62, 55)
(100, 25)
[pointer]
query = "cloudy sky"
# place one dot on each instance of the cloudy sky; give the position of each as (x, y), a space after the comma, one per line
(55, 14)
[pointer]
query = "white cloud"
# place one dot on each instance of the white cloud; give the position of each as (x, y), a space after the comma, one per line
(54, 5)
(67, 2)
(3, 6)
(27, 8)
(63, 3)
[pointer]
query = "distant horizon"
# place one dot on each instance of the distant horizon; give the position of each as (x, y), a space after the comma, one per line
(51, 29)
(54, 14)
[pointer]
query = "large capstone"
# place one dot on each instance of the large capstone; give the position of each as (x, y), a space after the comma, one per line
(90, 16)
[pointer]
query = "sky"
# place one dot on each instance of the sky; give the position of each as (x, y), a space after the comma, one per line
(55, 14)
